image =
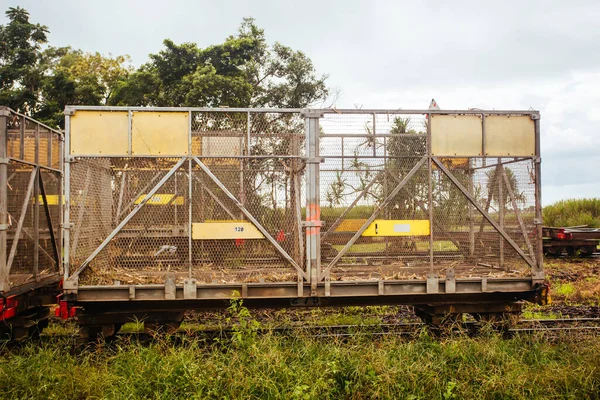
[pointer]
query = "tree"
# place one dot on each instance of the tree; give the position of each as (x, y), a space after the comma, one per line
(243, 71)
(20, 56)
(77, 78)
(404, 152)
(494, 177)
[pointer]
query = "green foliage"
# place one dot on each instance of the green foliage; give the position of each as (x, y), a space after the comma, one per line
(243, 71)
(21, 72)
(574, 212)
(494, 176)
(303, 367)
(246, 327)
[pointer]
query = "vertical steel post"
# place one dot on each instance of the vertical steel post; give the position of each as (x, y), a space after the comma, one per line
(538, 273)
(129, 132)
(36, 205)
(61, 179)
(22, 141)
(470, 211)
(4, 114)
(483, 141)
(49, 149)
(430, 196)
(190, 198)
(500, 209)
(313, 205)
(66, 222)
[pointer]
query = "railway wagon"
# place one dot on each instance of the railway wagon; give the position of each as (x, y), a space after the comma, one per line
(581, 241)
(30, 216)
(174, 209)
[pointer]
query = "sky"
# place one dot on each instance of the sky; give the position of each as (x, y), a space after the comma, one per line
(542, 55)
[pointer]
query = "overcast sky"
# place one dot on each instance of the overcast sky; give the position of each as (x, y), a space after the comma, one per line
(543, 55)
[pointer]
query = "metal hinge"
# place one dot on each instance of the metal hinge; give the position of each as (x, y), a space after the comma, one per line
(4, 227)
(314, 160)
(4, 160)
(535, 116)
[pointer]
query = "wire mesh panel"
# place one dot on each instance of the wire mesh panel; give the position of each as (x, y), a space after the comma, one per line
(395, 195)
(372, 174)
(20, 239)
(504, 189)
(391, 212)
(33, 200)
(229, 211)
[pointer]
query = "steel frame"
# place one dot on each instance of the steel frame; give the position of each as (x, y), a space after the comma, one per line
(313, 279)
(34, 192)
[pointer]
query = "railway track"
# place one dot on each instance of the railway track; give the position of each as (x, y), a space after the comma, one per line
(409, 329)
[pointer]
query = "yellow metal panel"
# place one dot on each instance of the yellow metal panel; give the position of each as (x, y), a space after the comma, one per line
(159, 133)
(99, 132)
(512, 136)
(225, 230)
(350, 225)
(52, 199)
(161, 199)
(384, 227)
(456, 135)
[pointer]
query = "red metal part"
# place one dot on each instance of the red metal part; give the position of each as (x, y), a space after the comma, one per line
(65, 311)
(562, 235)
(8, 307)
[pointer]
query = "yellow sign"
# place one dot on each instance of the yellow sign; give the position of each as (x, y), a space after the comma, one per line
(51, 199)
(225, 230)
(385, 227)
(398, 227)
(161, 199)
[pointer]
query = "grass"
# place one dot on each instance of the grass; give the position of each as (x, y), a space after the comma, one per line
(304, 367)
(573, 212)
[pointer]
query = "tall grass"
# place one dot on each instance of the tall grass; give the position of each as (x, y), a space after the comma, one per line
(303, 367)
(573, 212)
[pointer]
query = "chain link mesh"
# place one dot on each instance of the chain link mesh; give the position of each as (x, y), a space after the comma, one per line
(366, 158)
(30, 142)
(249, 170)
(249, 167)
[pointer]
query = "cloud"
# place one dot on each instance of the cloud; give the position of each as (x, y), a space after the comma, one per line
(541, 54)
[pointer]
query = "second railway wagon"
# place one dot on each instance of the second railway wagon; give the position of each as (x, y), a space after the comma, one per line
(172, 209)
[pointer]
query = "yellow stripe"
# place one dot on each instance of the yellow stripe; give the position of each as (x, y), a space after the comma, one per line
(161, 199)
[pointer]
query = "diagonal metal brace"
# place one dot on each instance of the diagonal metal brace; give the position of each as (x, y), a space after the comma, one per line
(250, 217)
(363, 228)
(128, 218)
(498, 228)
(17, 236)
(49, 221)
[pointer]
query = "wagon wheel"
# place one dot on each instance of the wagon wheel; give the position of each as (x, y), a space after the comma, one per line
(98, 332)
(554, 251)
(587, 251)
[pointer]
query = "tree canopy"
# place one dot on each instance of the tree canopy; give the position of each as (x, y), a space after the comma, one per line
(243, 71)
